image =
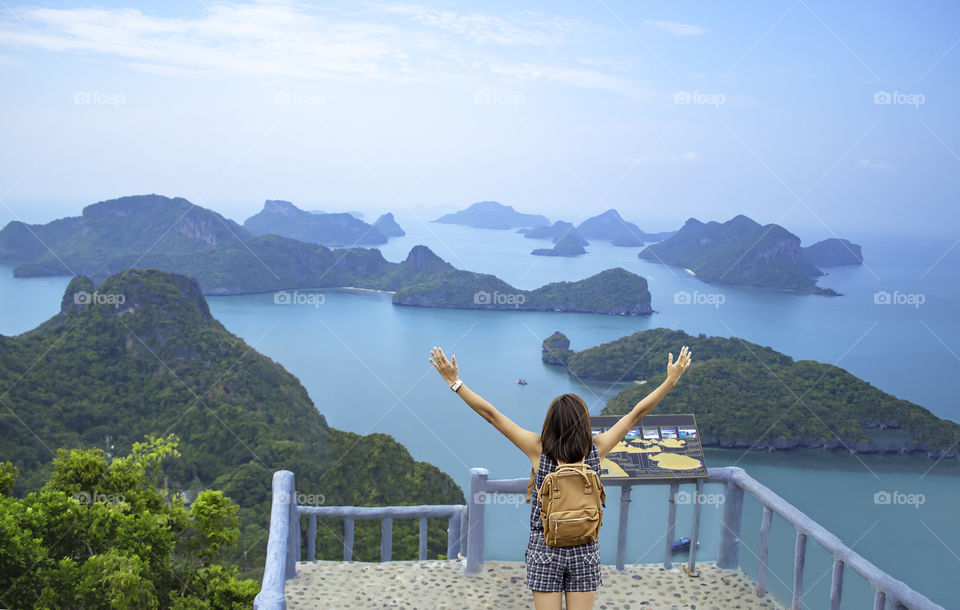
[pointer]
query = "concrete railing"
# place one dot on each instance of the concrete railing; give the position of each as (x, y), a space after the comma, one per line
(283, 546)
(466, 529)
(890, 593)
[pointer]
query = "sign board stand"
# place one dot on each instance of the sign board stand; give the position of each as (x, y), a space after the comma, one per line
(658, 448)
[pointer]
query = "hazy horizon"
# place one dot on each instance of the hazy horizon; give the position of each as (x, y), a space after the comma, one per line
(826, 119)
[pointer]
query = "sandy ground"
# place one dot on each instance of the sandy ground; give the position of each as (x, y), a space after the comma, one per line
(442, 584)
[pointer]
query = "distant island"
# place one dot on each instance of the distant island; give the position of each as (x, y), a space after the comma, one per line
(431, 282)
(619, 232)
(745, 395)
(287, 220)
(388, 226)
(834, 252)
(493, 215)
(741, 252)
(569, 244)
(554, 232)
(175, 235)
(141, 354)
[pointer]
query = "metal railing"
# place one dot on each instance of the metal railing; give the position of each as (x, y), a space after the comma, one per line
(284, 548)
(889, 592)
(466, 530)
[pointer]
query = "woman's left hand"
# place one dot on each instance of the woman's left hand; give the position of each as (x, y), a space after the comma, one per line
(446, 369)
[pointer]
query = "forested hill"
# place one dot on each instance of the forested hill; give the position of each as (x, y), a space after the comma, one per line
(141, 354)
(748, 395)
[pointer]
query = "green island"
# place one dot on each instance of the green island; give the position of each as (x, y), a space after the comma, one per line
(611, 226)
(140, 355)
(151, 231)
(741, 252)
(492, 215)
(339, 229)
(750, 396)
(569, 244)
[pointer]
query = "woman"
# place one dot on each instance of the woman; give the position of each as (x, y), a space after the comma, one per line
(566, 437)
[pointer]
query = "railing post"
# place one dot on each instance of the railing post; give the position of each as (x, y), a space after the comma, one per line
(423, 538)
(799, 557)
(386, 538)
(695, 536)
(464, 529)
(453, 535)
(764, 548)
(348, 539)
(622, 527)
(671, 524)
(312, 539)
(728, 557)
(836, 587)
(476, 501)
(293, 541)
(275, 567)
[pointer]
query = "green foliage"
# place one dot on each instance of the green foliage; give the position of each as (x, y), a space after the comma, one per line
(160, 364)
(742, 392)
(102, 534)
(8, 475)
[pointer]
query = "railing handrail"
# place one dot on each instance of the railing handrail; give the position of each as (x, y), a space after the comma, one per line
(379, 512)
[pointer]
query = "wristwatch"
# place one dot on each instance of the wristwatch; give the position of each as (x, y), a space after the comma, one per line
(456, 385)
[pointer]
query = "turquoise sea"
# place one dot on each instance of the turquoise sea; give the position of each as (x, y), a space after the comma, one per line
(364, 363)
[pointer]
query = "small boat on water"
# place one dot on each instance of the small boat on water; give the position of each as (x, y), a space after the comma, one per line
(521, 381)
(681, 545)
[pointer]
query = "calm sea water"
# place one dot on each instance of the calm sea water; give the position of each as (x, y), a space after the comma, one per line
(364, 363)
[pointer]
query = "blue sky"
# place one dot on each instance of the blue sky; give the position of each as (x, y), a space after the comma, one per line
(662, 110)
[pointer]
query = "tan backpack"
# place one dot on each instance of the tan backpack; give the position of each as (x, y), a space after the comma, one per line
(572, 500)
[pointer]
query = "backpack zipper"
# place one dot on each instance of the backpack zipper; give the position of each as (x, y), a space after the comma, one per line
(571, 519)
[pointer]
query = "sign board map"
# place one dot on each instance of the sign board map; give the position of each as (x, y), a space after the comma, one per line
(658, 447)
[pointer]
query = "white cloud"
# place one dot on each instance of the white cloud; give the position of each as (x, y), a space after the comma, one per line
(662, 157)
(263, 39)
(877, 166)
(580, 77)
(677, 29)
(286, 39)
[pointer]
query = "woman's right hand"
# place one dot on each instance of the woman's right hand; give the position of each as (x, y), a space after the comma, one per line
(446, 369)
(676, 369)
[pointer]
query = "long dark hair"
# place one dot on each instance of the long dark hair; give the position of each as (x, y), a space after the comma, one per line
(566, 435)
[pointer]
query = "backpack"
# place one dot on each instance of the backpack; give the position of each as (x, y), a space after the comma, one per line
(572, 499)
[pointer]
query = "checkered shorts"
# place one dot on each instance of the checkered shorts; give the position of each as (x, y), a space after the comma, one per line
(566, 568)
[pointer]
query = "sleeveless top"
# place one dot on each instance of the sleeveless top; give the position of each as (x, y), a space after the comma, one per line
(548, 465)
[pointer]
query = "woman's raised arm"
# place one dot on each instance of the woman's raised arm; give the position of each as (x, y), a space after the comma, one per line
(525, 440)
(609, 439)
